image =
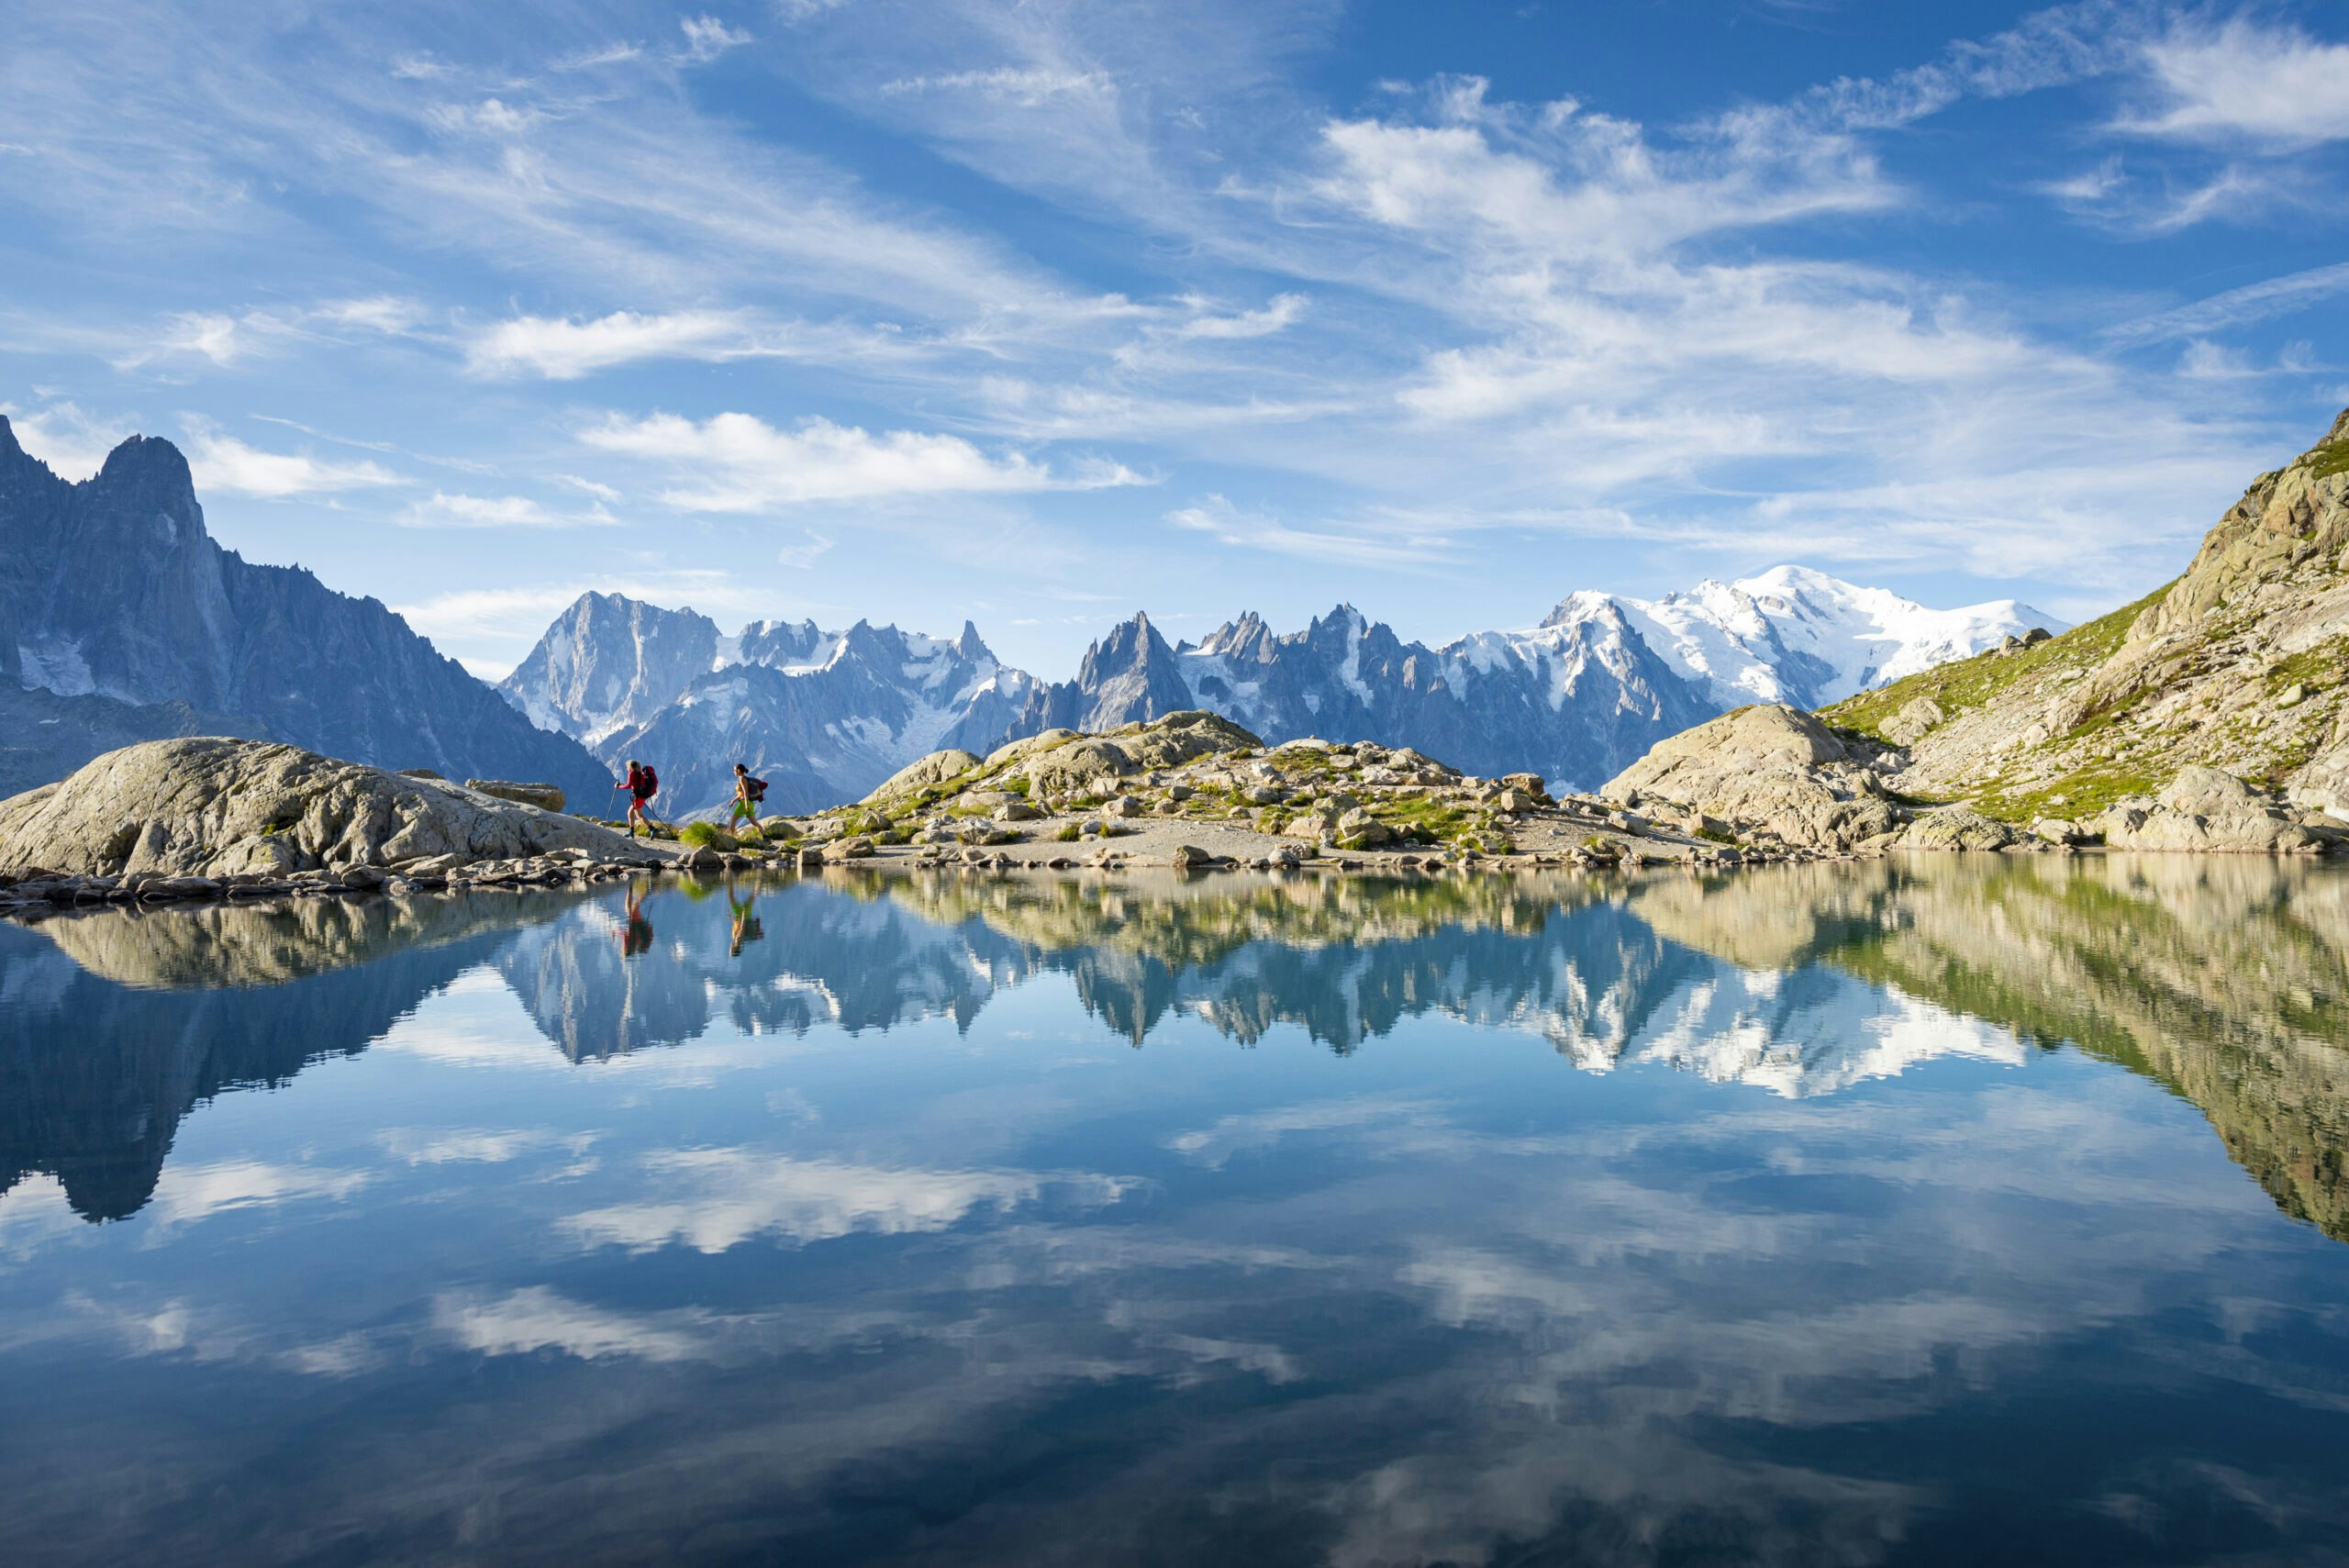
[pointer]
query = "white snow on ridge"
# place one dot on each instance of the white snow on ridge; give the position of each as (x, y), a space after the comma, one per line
(1795, 635)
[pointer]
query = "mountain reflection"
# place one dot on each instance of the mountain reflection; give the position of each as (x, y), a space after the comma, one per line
(2221, 979)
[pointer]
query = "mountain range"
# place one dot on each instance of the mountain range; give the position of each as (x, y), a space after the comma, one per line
(122, 619)
(825, 715)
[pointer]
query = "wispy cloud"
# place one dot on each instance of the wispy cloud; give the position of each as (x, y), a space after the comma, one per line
(1227, 524)
(442, 510)
(707, 38)
(714, 1199)
(740, 463)
(2261, 301)
(227, 466)
(2242, 82)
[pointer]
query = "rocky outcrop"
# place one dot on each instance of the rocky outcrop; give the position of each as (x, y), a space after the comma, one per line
(1767, 772)
(2240, 666)
(924, 772)
(114, 597)
(212, 807)
(2204, 809)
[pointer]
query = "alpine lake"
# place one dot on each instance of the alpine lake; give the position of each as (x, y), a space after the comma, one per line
(1957, 1209)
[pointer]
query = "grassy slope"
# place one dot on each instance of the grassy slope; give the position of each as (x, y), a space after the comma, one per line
(1966, 684)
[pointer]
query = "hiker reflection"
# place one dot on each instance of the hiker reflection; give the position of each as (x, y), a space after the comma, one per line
(746, 919)
(636, 935)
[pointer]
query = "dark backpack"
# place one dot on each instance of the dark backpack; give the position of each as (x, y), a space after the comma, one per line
(651, 784)
(758, 790)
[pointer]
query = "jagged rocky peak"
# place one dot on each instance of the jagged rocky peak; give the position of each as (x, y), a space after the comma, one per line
(609, 660)
(1576, 700)
(1246, 641)
(115, 602)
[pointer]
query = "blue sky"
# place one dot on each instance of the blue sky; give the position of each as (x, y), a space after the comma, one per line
(1036, 314)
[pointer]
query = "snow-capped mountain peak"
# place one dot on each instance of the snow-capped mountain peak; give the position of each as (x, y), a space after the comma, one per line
(1795, 635)
(826, 715)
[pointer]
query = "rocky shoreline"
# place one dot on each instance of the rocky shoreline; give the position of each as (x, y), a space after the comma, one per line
(219, 819)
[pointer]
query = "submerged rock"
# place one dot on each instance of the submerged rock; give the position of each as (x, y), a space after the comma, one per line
(218, 807)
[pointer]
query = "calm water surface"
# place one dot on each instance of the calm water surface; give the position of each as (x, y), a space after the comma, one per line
(1966, 1211)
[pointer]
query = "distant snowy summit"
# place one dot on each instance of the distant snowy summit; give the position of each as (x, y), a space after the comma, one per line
(1794, 635)
(826, 715)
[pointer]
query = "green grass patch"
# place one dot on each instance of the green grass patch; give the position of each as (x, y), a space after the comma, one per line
(2085, 794)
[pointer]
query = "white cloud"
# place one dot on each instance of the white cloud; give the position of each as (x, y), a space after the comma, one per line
(1229, 525)
(2243, 82)
(740, 463)
(719, 1199)
(525, 1321)
(2239, 307)
(562, 349)
(1284, 311)
(387, 314)
(2087, 187)
(223, 465)
(804, 555)
(600, 492)
(588, 58)
(707, 38)
(1027, 87)
(186, 1194)
(494, 117)
(442, 510)
(488, 1146)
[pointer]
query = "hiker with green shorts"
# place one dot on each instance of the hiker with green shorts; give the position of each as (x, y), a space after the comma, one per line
(750, 794)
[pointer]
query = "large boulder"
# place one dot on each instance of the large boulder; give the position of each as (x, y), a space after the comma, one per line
(218, 807)
(1079, 766)
(1177, 738)
(1765, 770)
(2210, 811)
(924, 772)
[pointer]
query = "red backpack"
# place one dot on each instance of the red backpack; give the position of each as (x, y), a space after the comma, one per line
(652, 782)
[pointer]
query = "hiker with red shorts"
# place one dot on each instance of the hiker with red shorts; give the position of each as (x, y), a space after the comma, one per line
(642, 783)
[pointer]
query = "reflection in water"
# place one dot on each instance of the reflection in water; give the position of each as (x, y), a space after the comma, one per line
(2221, 977)
(1566, 1220)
